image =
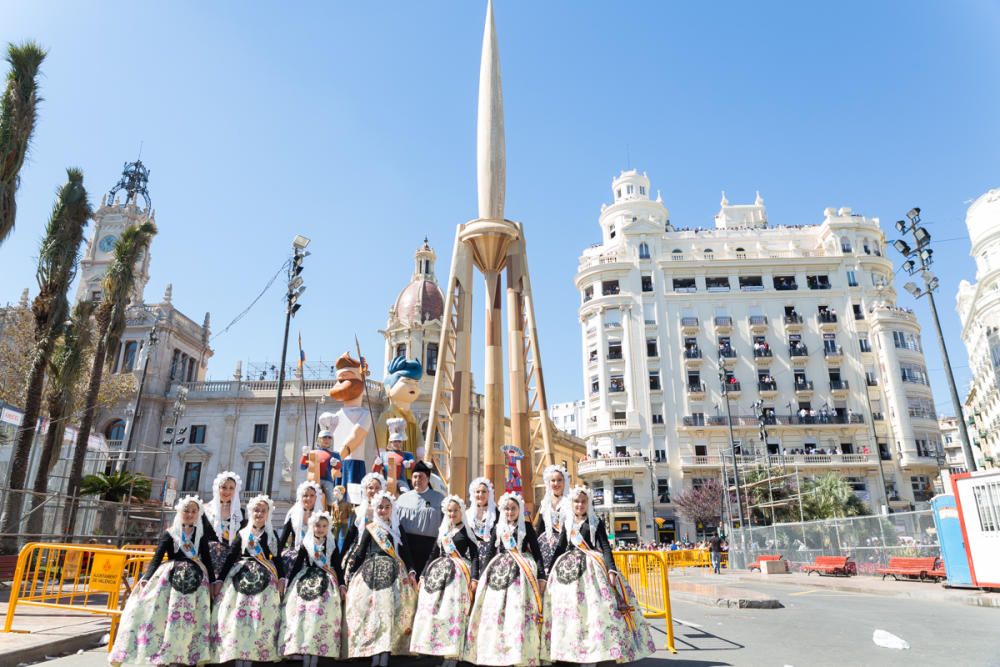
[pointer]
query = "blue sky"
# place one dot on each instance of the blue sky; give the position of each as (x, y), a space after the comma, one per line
(354, 124)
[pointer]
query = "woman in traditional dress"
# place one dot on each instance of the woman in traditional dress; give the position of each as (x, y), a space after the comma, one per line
(447, 588)
(481, 518)
(297, 521)
(248, 618)
(504, 625)
(312, 624)
(168, 619)
(548, 525)
(590, 612)
(371, 484)
(382, 588)
(223, 517)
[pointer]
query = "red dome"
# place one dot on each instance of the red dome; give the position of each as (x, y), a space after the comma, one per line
(421, 301)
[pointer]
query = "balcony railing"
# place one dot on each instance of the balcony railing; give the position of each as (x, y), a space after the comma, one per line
(829, 419)
(612, 463)
(692, 353)
(614, 356)
(798, 351)
(784, 286)
(731, 387)
(689, 321)
(793, 319)
(826, 317)
(723, 321)
(838, 385)
(807, 385)
(696, 388)
(727, 353)
(836, 351)
(763, 352)
(715, 460)
(767, 386)
(758, 320)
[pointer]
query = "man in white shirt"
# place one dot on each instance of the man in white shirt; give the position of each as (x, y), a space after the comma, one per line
(353, 421)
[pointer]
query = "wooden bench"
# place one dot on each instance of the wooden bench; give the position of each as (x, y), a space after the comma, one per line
(838, 565)
(761, 558)
(8, 564)
(900, 566)
(938, 572)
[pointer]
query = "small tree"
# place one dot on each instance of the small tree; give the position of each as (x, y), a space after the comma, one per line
(117, 487)
(701, 504)
(829, 496)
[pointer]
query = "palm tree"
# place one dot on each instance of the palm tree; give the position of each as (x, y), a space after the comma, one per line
(64, 375)
(110, 316)
(117, 487)
(57, 263)
(830, 496)
(18, 113)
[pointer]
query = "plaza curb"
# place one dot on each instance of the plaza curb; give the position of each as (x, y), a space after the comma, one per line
(722, 596)
(37, 653)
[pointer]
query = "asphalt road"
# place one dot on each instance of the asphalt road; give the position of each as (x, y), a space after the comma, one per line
(816, 628)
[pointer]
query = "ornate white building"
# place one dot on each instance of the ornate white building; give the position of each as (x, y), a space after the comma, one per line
(978, 307)
(799, 317)
(569, 417)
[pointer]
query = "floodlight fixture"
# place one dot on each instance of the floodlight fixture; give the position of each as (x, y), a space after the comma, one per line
(902, 246)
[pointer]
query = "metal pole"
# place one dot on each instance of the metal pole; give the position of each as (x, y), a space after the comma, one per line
(732, 441)
(878, 451)
(277, 401)
(970, 461)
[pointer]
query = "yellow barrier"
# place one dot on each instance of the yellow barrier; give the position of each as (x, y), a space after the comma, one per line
(75, 577)
(646, 573)
(690, 558)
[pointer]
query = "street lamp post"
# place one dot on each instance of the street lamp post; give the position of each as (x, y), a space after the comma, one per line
(295, 290)
(919, 260)
(732, 439)
(178, 412)
(148, 352)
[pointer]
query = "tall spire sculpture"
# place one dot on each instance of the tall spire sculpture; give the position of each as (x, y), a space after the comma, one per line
(493, 245)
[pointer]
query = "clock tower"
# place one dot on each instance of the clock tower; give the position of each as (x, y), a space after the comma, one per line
(110, 220)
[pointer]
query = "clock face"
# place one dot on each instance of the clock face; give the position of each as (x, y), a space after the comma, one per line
(107, 243)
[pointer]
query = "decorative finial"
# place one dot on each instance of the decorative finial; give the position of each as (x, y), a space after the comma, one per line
(724, 202)
(168, 293)
(659, 198)
(134, 181)
(25, 301)
(238, 373)
(491, 152)
(759, 201)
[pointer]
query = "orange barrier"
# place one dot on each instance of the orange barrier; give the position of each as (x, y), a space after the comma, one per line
(646, 573)
(75, 577)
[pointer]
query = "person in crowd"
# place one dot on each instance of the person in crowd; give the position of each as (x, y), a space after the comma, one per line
(481, 517)
(548, 525)
(167, 619)
(342, 513)
(447, 588)
(297, 520)
(505, 622)
(420, 515)
(371, 484)
(223, 518)
(248, 617)
(715, 551)
(590, 613)
(313, 623)
(381, 589)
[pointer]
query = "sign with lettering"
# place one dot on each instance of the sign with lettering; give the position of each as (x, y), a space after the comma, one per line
(106, 571)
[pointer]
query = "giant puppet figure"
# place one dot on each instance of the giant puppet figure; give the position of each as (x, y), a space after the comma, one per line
(402, 385)
(353, 420)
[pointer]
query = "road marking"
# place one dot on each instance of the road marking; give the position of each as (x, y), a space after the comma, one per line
(687, 623)
(807, 592)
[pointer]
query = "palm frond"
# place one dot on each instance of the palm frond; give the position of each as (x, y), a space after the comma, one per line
(18, 115)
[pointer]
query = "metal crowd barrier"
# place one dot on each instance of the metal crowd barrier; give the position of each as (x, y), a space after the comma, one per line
(646, 573)
(89, 579)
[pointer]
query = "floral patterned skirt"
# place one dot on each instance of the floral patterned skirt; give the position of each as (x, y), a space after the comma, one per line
(248, 618)
(379, 609)
(503, 627)
(168, 621)
(547, 543)
(583, 619)
(442, 609)
(313, 623)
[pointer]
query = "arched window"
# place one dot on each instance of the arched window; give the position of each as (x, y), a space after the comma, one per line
(611, 231)
(115, 431)
(643, 250)
(709, 253)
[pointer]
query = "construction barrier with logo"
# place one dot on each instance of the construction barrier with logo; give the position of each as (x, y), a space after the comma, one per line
(688, 557)
(646, 573)
(88, 579)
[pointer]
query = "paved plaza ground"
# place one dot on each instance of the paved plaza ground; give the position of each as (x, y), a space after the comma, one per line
(817, 626)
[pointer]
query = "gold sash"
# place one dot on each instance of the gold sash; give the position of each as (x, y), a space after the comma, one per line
(576, 539)
(257, 553)
(515, 551)
(452, 552)
(384, 540)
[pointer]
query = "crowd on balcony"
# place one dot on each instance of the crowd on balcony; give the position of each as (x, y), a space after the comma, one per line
(597, 456)
(825, 416)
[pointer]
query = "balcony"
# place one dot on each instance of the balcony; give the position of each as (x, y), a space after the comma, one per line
(762, 356)
(833, 353)
(826, 320)
(775, 420)
(796, 459)
(727, 352)
(804, 388)
(758, 323)
(692, 356)
(914, 461)
(818, 282)
(696, 390)
(689, 325)
(723, 324)
(732, 388)
(785, 284)
(799, 353)
(793, 322)
(838, 387)
(612, 464)
(767, 389)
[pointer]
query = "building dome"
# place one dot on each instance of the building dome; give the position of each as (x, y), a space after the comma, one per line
(420, 301)
(983, 217)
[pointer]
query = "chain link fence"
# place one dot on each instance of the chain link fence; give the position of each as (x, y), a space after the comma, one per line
(870, 541)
